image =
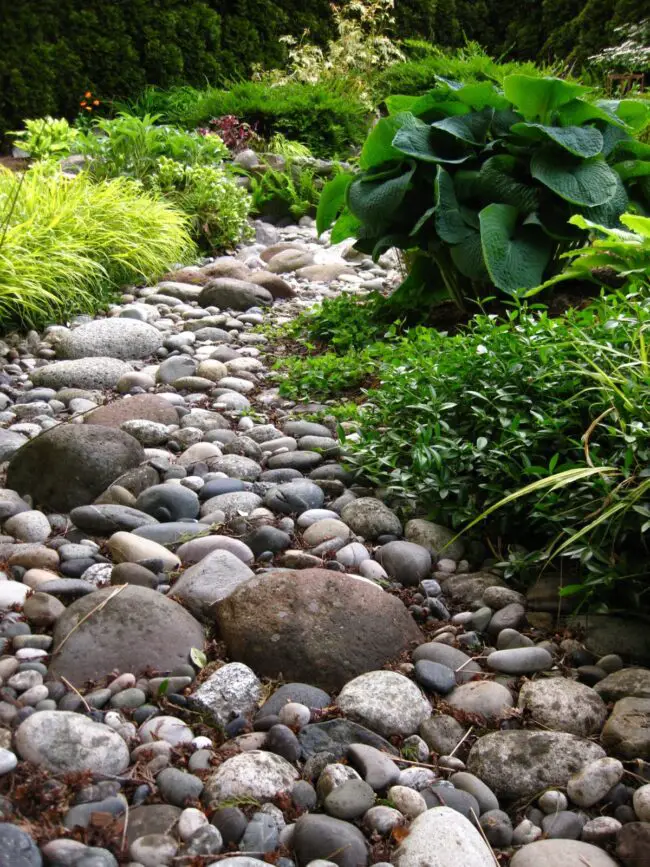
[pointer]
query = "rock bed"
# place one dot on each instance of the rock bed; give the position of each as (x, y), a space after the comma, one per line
(219, 647)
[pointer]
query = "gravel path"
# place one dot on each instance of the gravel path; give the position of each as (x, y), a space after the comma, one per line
(220, 647)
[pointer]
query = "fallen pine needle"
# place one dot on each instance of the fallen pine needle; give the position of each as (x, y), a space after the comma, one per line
(74, 689)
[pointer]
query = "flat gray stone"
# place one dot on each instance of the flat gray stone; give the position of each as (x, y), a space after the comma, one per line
(441, 837)
(561, 853)
(564, 705)
(255, 774)
(385, 701)
(211, 580)
(85, 373)
(520, 660)
(318, 837)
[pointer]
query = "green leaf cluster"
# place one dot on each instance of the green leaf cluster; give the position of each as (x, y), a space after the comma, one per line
(480, 182)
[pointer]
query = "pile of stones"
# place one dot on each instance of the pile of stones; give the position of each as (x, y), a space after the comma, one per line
(219, 645)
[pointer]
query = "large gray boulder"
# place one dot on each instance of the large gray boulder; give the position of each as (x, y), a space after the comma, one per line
(520, 764)
(442, 837)
(314, 625)
(70, 465)
(211, 580)
(85, 373)
(227, 292)
(110, 338)
(137, 629)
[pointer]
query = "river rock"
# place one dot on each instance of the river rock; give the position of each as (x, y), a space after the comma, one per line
(17, 849)
(255, 774)
(385, 701)
(84, 373)
(441, 837)
(323, 837)
(70, 465)
(625, 683)
(561, 853)
(314, 625)
(405, 562)
(486, 698)
(233, 690)
(371, 518)
(564, 705)
(137, 629)
(592, 782)
(235, 294)
(435, 538)
(63, 742)
(626, 733)
(520, 660)
(147, 407)
(519, 764)
(110, 338)
(210, 581)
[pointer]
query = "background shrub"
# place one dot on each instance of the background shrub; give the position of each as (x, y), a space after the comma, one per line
(67, 245)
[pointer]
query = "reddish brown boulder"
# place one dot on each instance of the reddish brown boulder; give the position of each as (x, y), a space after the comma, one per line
(315, 626)
(141, 406)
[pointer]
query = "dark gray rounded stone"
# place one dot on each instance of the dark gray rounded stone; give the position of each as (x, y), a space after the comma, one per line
(138, 629)
(267, 539)
(104, 520)
(564, 825)
(220, 486)
(283, 742)
(294, 497)
(173, 532)
(434, 676)
(17, 849)
(178, 787)
(231, 824)
(323, 837)
(337, 735)
(71, 465)
(405, 562)
(445, 795)
(168, 502)
(227, 292)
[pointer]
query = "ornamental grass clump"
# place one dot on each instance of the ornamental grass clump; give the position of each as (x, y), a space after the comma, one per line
(66, 245)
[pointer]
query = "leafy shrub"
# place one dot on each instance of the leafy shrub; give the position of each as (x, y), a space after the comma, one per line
(327, 121)
(427, 63)
(502, 404)
(327, 375)
(285, 147)
(343, 323)
(129, 145)
(46, 137)
(294, 190)
(217, 207)
(478, 186)
(235, 134)
(68, 244)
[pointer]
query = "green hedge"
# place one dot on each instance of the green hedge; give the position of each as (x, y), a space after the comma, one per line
(53, 50)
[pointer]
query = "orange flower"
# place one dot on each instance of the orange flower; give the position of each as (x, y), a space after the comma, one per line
(83, 103)
(95, 102)
(88, 94)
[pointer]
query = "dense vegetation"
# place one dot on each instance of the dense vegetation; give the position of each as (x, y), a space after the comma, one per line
(54, 51)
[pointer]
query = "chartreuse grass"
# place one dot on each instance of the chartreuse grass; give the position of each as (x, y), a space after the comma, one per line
(66, 245)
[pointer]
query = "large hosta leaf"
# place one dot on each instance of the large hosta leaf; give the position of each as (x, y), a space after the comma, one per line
(515, 253)
(537, 98)
(482, 95)
(634, 112)
(580, 141)
(632, 169)
(468, 258)
(427, 144)
(449, 222)
(579, 111)
(609, 214)
(612, 138)
(378, 147)
(584, 182)
(630, 149)
(332, 200)
(346, 226)
(499, 183)
(375, 201)
(471, 128)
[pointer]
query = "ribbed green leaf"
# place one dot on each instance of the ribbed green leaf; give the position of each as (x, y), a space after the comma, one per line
(634, 112)
(499, 183)
(482, 95)
(374, 202)
(584, 182)
(378, 148)
(579, 111)
(468, 258)
(632, 169)
(425, 143)
(579, 141)
(515, 254)
(609, 214)
(471, 128)
(449, 222)
(345, 227)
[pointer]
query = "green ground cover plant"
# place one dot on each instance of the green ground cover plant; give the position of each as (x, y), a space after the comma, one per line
(67, 245)
(46, 138)
(477, 185)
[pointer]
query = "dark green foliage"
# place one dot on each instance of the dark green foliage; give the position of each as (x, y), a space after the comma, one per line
(477, 185)
(329, 123)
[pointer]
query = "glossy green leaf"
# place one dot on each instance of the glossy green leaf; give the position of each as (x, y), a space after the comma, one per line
(374, 202)
(424, 219)
(612, 138)
(471, 128)
(579, 141)
(515, 254)
(631, 149)
(634, 112)
(397, 102)
(584, 182)
(425, 143)
(536, 98)
(482, 95)
(467, 184)
(632, 169)
(198, 657)
(378, 147)
(503, 120)
(499, 183)
(448, 219)
(332, 201)
(346, 226)
(579, 111)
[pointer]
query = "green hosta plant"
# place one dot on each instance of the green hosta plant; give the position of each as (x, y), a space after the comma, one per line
(478, 184)
(46, 138)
